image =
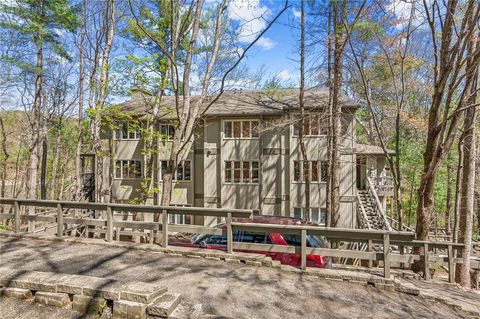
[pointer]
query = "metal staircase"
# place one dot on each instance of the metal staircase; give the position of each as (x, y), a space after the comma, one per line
(369, 209)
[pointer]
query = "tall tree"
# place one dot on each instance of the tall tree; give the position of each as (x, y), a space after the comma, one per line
(451, 33)
(37, 22)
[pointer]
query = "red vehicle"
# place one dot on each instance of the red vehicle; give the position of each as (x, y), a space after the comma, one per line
(220, 241)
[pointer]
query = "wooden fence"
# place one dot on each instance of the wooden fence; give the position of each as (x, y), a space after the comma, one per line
(387, 241)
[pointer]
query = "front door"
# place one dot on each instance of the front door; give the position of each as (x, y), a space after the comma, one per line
(361, 171)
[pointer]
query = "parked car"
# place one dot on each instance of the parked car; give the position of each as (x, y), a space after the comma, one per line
(220, 241)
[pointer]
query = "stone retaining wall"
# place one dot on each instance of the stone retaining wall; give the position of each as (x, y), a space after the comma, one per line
(88, 294)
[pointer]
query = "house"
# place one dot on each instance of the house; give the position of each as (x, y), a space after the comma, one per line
(246, 154)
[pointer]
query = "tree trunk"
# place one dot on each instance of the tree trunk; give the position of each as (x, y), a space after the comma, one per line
(458, 189)
(301, 135)
(3, 162)
(462, 271)
(328, 200)
(81, 78)
(37, 113)
(448, 206)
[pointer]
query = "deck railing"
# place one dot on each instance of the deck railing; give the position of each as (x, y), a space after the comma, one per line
(385, 239)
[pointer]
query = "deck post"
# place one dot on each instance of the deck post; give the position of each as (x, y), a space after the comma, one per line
(370, 249)
(165, 228)
(386, 255)
(59, 221)
(109, 224)
(426, 265)
(304, 249)
(451, 266)
(16, 212)
(229, 234)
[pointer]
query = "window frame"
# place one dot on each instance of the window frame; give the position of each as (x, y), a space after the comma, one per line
(321, 211)
(175, 174)
(253, 124)
(320, 118)
(122, 161)
(230, 165)
(170, 127)
(320, 165)
(121, 130)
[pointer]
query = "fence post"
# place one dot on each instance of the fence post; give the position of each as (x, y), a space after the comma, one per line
(229, 234)
(304, 249)
(165, 228)
(109, 224)
(16, 212)
(386, 255)
(370, 249)
(451, 267)
(59, 220)
(426, 261)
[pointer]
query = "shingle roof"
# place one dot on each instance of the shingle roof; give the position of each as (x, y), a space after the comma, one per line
(370, 149)
(241, 103)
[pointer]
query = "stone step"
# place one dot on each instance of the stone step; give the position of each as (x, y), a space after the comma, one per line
(164, 305)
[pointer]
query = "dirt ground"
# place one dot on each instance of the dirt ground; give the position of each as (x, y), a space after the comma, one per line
(219, 288)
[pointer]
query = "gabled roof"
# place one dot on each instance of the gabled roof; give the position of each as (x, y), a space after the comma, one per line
(241, 103)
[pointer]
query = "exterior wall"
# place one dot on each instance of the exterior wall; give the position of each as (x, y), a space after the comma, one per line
(275, 150)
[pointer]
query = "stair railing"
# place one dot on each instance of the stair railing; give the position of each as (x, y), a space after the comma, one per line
(378, 206)
(362, 215)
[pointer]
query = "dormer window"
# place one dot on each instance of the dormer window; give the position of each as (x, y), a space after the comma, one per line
(241, 129)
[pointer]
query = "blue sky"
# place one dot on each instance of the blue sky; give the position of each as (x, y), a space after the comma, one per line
(276, 51)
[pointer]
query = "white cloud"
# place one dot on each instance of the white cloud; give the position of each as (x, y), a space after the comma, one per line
(284, 75)
(296, 13)
(251, 17)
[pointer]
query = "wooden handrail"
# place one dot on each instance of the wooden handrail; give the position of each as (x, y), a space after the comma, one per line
(378, 204)
(386, 238)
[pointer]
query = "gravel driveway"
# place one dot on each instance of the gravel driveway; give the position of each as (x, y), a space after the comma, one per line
(231, 290)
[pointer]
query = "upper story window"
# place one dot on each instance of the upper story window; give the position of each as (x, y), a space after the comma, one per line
(182, 173)
(127, 131)
(128, 169)
(241, 129)
(167, 132)
(313, 125)
(316, 170)
(242, 172)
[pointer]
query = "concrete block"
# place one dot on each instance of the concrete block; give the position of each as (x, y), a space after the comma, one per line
(212, 258)
(386, 287)
(102, 287)
(16, 293)
(39, 281)
(7, 274)
(232, 261)
(55, 299)
(89, 305)
(253, 263)
(123, 309)
(141, 292)
(193, 256)
(164, 305)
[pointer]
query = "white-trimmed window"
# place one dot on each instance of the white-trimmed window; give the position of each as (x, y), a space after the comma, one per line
(128, 169)
(167, 132)
(316, 170)
(127, 131)
(241, 129)
(242, 172)
(182, 173)
(314, 124)
(318, 214)
(180, 218)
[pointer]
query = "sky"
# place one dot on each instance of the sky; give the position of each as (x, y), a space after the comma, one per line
(277, 50)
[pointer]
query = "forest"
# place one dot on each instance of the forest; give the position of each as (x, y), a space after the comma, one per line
(413, 67)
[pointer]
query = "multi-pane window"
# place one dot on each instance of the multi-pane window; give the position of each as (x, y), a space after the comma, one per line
(318, 214)
(241, 172)
(167, 131)
(316, 170)
(241, 129)
(127, 131)
(182, 173)
(128, 169)
(313, 125)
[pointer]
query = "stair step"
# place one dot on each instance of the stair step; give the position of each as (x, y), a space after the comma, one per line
(164, 305)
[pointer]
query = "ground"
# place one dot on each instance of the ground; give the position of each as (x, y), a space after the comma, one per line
(230, 290)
